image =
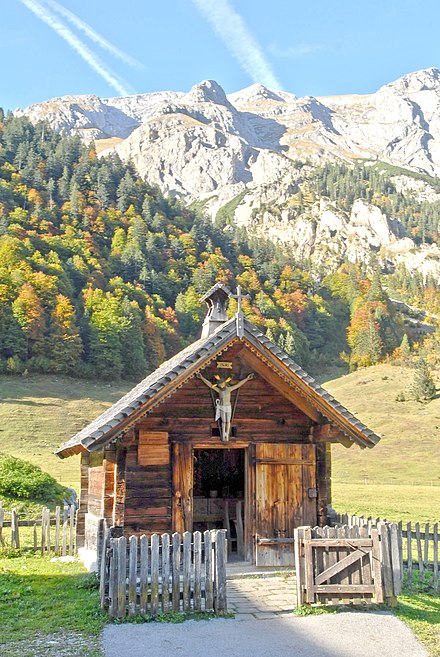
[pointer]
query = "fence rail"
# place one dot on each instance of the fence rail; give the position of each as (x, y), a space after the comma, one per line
(51, 532)
(341, 565)
(149, 576)
(420, 546)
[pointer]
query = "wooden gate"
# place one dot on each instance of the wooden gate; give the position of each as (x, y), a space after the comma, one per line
(347, 564)
(285, 499)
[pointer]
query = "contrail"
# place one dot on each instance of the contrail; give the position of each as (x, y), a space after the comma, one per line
(233, 31)
(92, 60)
(92, 34)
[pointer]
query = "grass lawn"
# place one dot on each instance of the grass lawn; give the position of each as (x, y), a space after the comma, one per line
(400, 477)
(421, 612)
(49, 609)
(39, 412)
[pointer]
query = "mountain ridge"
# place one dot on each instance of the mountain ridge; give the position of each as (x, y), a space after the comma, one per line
(210, 147)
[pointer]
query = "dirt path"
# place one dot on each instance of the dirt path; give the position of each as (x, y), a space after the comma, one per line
(349, 634)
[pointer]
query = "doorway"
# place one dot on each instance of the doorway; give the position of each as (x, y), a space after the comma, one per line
(219, 486)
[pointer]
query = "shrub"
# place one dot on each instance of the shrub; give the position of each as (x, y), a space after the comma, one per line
(24, 480)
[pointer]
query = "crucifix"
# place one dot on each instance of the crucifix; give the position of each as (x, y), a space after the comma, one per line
(239, 316)
(223, 405)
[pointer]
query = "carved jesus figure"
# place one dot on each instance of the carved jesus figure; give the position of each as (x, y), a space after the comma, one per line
(223, 406)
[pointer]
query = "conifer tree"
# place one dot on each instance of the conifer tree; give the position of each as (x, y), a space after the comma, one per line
(423, 388)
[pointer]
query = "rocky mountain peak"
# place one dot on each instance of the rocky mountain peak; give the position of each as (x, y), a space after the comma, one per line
(207, 91)
(424, 80)
(258, 92)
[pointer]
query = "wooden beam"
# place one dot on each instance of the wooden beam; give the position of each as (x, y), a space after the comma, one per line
(279, 384)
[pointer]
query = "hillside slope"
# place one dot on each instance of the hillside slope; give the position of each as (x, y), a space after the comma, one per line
(400, 477)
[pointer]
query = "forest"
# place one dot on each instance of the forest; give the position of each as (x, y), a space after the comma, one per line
(101, 275)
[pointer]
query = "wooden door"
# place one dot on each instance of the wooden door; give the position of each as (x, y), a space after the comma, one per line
(182, 487)
(285, 496)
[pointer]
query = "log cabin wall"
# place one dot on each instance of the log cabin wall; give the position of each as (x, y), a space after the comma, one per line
(158, 495)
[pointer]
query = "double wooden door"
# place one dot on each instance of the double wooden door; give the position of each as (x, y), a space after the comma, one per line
(285, 498)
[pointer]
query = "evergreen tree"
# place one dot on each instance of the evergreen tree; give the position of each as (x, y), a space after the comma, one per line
(423, 388)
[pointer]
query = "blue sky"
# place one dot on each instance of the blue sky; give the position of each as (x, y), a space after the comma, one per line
(307, 48)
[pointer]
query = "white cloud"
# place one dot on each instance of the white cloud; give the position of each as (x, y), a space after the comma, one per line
(92, 34)
(88, 55)
(294, 52)
(231, 28)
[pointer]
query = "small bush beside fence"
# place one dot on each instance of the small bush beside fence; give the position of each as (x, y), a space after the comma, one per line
(53, 531)
(163, 574)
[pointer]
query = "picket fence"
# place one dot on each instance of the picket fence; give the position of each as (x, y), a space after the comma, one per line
(51, 532)
(420, 546)
(160, 574)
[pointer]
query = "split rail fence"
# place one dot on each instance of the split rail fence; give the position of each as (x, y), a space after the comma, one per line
(342, 565)
(160, 574)
(50, 532)
(420, 547)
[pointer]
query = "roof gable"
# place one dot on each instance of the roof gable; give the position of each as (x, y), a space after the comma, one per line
(173, 373)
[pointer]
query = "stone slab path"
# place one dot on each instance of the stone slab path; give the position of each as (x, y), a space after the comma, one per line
(261, 597)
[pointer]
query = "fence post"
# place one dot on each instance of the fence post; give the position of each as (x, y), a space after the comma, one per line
(2, 519)
(387, 572)
(220, 602)
(48, 528)
(409, 553)
(186, 571)
(154, 574)
(143, 574)
(71, 528)
(64, 548)
(15, 533)
(165, 572)
(435, 573)
(176, 571)
(299, 570)
(57, 529)
(395, 558)
(197, 571)
(209, 575)
(132, 577)
(113, 578)
(122, 576)
(104, 584)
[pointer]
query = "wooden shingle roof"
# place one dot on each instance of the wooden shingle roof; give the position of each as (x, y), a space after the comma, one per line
(175, 371)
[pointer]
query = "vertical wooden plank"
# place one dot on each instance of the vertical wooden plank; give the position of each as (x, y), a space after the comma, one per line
(409, 553)
(2, 519)
(176, 571)
(186, 571)
(103, 573)
(435, 550)
(209, 572)
(426, 550)
(165, 571)
(333, 554)
(419, 551)
(298, 566)
(143, 575)
(197, 571)
(154, 574)
(395, 558)
(57, 529)
(65, 520)
(355, 572)
(387, 573)
(308, 565)
(366, 574)
(220, 602)
(71, 528)
(122, 576)
(43, 531)
(376, 566)
(48, 528)
(132, 576)
(15, 532)
(400, 543)
(35, 537)
(182, 473)
(113, 578)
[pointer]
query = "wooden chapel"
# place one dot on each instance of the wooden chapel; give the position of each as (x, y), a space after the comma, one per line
(228, 427)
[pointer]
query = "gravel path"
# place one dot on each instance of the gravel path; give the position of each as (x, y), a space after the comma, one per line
(349, 634)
